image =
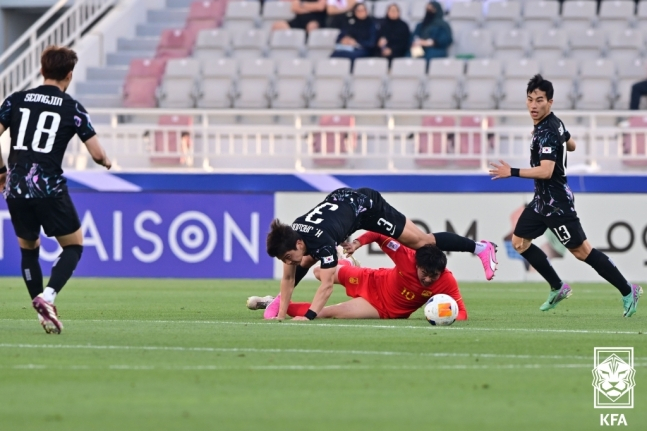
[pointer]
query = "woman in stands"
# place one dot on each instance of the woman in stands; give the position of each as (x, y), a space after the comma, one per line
(359, 37)
(433, 34)
(394, 36)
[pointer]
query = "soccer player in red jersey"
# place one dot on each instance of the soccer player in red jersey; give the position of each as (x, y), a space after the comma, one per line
(385, 293)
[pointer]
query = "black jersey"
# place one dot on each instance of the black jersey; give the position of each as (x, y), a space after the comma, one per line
(41, 121)
(330, 223)
(552, 196)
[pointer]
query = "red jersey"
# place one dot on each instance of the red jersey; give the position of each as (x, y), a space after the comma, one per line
(400, 291)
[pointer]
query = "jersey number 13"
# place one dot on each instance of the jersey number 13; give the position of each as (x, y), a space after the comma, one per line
(38, 133)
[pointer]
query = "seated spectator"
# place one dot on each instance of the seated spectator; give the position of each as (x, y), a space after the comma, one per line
(393, 36)
(433, 34)
(310, 15)
(339, 12)
(638, 91)
(358, 38)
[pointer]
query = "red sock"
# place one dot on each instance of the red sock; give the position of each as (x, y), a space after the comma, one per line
(298, 308)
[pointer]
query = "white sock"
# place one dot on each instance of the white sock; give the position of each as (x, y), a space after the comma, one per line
(49, 295)
(480, 246)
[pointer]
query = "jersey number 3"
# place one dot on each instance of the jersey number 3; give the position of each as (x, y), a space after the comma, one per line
(317, 211)
(38, 133)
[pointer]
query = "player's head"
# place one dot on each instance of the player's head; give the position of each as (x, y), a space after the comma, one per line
(539, 98)
(284, 243)
(57, 64)
(430, 263)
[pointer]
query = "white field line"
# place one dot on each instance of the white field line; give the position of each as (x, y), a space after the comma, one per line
(296, 367)
(423, 326)
(287, 351)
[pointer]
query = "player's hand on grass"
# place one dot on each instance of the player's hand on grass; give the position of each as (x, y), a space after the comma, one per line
(500, 171)
(300, 318)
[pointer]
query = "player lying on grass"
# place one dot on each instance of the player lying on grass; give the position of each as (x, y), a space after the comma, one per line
(385, 293)
(314, 236)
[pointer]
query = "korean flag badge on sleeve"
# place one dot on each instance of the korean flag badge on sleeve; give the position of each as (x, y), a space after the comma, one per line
(546, 150)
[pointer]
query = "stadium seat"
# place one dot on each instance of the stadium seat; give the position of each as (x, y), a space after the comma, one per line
(562, 74)
(330, 147)
(516, 77)
(405, 89)
(634, 143)
(417, 11)
(253, 89)
(540, 15)
(587, 44)
(330, 87)
(249, 44)
(549, 45)
(436, 143)
(629, 72)
(141, 83)
(291, 86)
(276, 11)
(175, 44)
(470, 143)
(287, 43)
(241, 15)
(475, 43)
(170, 147)
(625, 45)
(178, 87)
(321, 42)
(367, 89)
(595, 89)
(381, 6)
(216, 87)
(511, 44)
(503, 15)
(481, 86)
(205, 14)
(641, 14)
(443, 84)
(212, 44)
(465, 16)
(579, 14)
(616, 15)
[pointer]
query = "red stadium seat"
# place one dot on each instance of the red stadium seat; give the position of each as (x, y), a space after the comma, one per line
(634, 143)
(334, 144)
(430, 143)
(470, 143)
(141, 82)
(177, 143)
(175, 44)
(206, 14)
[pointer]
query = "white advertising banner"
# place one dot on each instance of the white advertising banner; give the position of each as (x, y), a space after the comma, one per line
(613, 223)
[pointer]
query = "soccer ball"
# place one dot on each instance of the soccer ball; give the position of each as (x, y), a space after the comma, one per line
(441, 310)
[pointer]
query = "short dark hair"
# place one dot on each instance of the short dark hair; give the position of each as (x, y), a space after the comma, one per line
(431, 259)
(57, 61)
(538, 82)
(281, 239)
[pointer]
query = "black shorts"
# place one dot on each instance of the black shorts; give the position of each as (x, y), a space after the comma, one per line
(567, 228)
(381, 217)
(56, 215)
(302, 20)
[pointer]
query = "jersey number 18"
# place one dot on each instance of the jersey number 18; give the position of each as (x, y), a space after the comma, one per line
(40, 129)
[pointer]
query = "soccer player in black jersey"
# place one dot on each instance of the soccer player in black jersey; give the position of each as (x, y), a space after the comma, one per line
(42, 121)
(314, 236)
(553, 204)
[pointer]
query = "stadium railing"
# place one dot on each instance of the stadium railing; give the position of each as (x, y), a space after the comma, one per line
(366, 140)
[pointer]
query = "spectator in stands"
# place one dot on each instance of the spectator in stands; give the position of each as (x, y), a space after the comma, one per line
(433, 34)
(638, 91)
(340, 12)
(358, 38)
(393, 36)
(310, 15)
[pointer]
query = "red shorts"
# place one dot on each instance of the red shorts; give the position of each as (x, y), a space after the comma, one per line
(368, 284)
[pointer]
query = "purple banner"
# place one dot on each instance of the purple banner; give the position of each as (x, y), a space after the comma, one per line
(187, 235)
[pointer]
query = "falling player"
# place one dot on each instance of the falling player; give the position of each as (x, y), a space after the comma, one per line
(42, 122)
(385, 293)
(553, 205)
(314, 236)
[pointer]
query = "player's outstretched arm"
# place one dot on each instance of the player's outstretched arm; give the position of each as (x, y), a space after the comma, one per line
(97, 152)
(542, 172)
(570, 145)
(325, 289)
(287, 287)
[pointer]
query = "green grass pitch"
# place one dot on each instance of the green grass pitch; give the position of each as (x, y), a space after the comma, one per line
(187, 355)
